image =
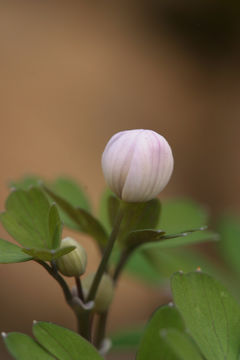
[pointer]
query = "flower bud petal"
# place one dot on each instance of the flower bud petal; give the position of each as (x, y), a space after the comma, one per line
(73, 263)
(105, 292)
(137, 164)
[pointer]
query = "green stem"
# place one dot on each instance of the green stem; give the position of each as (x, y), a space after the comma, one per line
(83, 316)
(124, 257)
(84, 320)
(106, 256)
(101, 329)
(53, 272)
(79, 288)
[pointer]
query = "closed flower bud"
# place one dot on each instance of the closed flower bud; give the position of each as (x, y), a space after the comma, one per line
(105, 292)
(73, 263)
(137, 164)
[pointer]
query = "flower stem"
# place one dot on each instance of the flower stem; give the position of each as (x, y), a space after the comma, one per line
(84, 320)
(102, 322)
(54, 273)
(83, 316)
(79, 288)
(124, 257)
(101, 329)
(104, 262)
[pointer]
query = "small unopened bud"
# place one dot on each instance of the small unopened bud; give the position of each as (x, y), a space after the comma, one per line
(105, 292)
(137, 164)
(73, 263)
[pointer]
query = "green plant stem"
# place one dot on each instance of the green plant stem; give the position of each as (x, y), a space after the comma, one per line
(79, 288)
(83, 316)
(53, 272)
(101, 329)
(104, 262)
(124, 257)
(84, 320)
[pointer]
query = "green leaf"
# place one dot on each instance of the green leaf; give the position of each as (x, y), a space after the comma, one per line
(210, 313)
(140, 237)
(229, 230)
(31, 220)
(166, 262)
(186, 238)
(139, 216)
(157, 239)
(26, 217)
(11, 253)
(70, 191)
(180, 214)
(84, 221)
(181, 344)
(66, 188)
(55, 227)
(47, 254)
(140, 267)
(125, 340)
(155, 264)
(152, 345)
(26, 182)
(63, 343)
(23, 347)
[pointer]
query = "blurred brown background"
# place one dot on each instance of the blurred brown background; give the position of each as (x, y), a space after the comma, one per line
(75, 72)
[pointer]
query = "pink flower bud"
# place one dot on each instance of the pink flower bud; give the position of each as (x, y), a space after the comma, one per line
(137, 164)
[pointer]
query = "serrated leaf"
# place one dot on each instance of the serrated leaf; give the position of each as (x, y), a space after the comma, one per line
(23, 347)
(181, 344)
(70, 191)
(63, 343)
(180, 214)
(152, 346)
(84, 221)
(47, 254)
(55, 227)
(210, 313)
(11, 253)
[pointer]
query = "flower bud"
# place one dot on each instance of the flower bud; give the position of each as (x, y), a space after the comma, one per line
(73, 263)
(105, 292)
(137, 164)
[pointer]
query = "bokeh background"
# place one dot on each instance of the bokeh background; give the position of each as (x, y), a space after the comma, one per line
(75, 72)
